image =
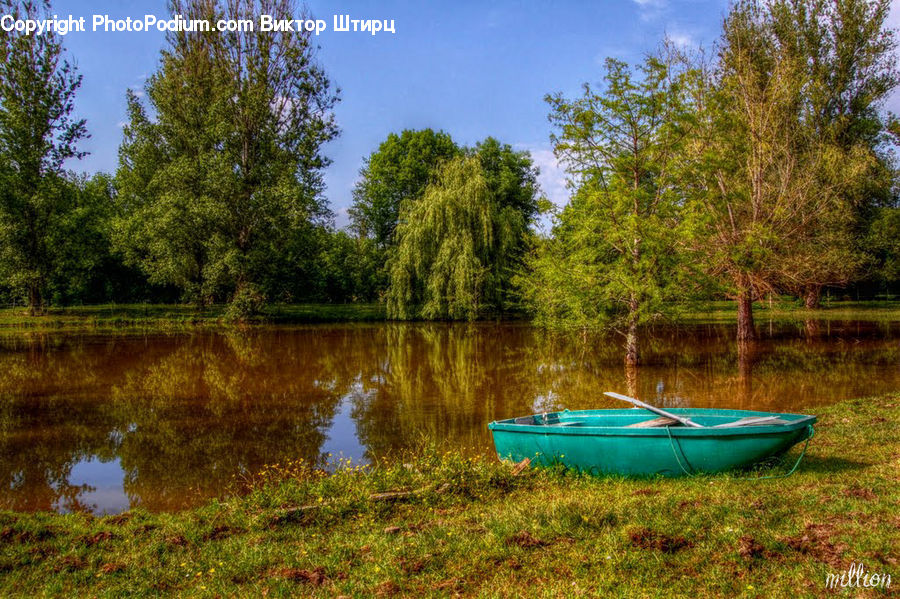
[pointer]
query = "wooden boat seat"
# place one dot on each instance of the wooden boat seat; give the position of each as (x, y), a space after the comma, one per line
(753, 421)
(655, 423)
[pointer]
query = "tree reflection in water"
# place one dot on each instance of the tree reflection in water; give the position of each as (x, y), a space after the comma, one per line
(184, 414)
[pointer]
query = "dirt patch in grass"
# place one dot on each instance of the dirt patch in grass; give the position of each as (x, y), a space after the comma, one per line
(525, 539)
(119, 519)
(750, 548)
(9, 535)
(454, 585)
(315, 577)
(388, 588)
(111, 568)
(816, 542)
(859, 493)
(71, 563)
(651, 539)
(177, 540)
(414, 566)
(221, 532)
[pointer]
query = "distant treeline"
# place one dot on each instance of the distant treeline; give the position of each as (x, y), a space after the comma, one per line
(763, 165)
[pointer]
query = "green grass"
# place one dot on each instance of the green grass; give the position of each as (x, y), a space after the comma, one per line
(476, 529)
(790, 310)
(178, 316)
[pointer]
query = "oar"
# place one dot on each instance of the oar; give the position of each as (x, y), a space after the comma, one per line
(655, 410)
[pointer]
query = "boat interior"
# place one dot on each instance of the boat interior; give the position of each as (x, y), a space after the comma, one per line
(638, 418)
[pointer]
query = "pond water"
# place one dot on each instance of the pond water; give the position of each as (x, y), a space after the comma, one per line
(104, 423)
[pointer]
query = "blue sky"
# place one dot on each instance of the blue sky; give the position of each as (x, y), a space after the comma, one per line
(470, 68)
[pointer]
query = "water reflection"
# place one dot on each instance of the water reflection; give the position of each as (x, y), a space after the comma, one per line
(102, 423)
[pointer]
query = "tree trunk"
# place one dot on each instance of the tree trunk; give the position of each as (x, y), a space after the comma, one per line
(745, 329)
(813, 297)
(631, 379)
(746, 359)
(34, 299)
(812, 327)
(631, 336)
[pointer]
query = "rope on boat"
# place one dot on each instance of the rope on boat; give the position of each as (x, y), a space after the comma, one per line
(675, 453)
(809, 435)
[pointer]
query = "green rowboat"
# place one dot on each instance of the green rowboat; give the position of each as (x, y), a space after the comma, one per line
(632, 442)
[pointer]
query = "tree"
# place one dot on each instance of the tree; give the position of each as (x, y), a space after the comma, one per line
(226, 170)
(347, 268)
(849, 57)
(37, 135)
(396, 173)
(883, 241)
(613, 260)
(457, 246)
(761, 182)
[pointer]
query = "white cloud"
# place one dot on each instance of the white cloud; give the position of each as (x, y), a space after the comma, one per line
(681, 38)
(553, 177)
(650, 9)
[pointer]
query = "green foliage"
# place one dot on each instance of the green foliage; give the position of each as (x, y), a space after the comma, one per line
(223, 178)
(883, 242)
(613, 261)
(458, 245)
(87, 270)
(37, 135)
(849, 60)
(396, 173)
(783, 153)
(348, 268)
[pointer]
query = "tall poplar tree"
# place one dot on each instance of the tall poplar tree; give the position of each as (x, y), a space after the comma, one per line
(221, 168)
(38, 133)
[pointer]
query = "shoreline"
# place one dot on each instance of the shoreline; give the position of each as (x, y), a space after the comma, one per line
(472, 526)
(185, 317)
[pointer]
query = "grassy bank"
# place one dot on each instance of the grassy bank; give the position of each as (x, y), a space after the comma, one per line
(790, 310)
(471, 526)
(175, 317)
(178, 316)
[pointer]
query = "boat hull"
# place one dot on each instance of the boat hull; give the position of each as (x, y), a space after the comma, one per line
(600, 441)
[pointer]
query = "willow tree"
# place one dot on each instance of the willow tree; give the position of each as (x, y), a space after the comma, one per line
(457, 245)
(38, 133)
(221, 166)
(613, 261)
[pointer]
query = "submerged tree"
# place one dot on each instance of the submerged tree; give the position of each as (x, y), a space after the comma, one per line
(613, 261)
(763, 183)
(37, 135)
(225, 169)
(457, 246)
(848, 55)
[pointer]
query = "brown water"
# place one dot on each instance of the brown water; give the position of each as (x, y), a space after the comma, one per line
(103, 423)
